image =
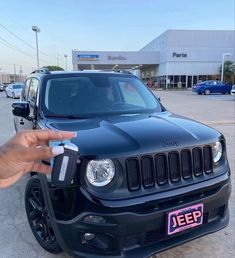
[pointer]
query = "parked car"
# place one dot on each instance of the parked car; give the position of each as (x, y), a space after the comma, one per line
(208, 87)
(145, 179)
(14, 90)
(2, 86)
(233, 90)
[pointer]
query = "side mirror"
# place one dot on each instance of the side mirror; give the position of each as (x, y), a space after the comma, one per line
(159, 99)
(21, 109)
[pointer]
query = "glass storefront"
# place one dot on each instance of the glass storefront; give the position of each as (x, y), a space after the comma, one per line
(180, 81)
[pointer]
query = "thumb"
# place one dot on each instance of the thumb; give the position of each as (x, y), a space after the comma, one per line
(41, 152)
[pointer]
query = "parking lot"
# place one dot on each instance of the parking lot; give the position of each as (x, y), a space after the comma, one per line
(218, 111)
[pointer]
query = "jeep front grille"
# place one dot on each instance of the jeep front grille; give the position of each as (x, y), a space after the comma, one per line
(159, 169)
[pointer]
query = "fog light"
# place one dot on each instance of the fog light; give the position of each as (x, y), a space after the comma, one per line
(97, 241)
(94, 219)
(89, 236)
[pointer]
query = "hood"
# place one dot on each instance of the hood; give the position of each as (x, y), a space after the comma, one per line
(125, 135)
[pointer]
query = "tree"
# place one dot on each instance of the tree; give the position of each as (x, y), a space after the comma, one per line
(53, 68)
(229, 71)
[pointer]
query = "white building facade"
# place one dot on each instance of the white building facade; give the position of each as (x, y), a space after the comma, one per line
(175, 57)
(189, 56)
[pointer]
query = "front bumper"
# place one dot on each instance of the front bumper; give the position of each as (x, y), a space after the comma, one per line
(142, 232)
(197, 90)
(17, 95)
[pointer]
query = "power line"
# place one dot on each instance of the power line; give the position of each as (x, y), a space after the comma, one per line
(29, 45)
(10, 65)
(13, 47)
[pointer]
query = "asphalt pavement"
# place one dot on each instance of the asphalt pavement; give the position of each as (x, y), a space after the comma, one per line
(218, 111)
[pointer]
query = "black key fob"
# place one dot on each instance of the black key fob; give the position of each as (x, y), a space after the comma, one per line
(65, 166)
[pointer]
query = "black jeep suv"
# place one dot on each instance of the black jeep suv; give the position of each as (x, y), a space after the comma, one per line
(146, 179)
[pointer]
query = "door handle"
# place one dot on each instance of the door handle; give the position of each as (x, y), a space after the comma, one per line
(21, 121)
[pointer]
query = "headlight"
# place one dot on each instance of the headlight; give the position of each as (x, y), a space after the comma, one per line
(100, 172)
(217, 151)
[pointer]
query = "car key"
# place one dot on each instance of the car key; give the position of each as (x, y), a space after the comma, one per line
(65, 166)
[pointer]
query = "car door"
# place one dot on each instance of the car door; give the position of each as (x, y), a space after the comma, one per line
(226, 88)
(219, 87)
(9, 90)
(212, 86)
(29, 94)
(12, 91)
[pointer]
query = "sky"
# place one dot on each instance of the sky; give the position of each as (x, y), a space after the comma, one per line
(97, 25)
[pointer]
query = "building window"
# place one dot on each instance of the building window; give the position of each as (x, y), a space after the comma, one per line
(183, 81)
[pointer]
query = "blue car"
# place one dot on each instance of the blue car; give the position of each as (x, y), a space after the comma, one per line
(208, 87)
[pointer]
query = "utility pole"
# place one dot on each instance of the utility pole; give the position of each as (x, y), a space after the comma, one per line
(14, 72)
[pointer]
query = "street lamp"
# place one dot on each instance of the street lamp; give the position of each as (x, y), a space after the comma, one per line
(222, 68)
(36, 30)
(65, 56)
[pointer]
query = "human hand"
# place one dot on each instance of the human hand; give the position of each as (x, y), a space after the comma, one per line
(23, 152)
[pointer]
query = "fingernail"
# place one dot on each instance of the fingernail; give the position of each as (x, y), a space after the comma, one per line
(57, 150)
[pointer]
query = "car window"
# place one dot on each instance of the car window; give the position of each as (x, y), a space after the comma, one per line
(26, 90)
(93, 94)
(32, 95)
(17, 86)
(33, 88)
(130, 94)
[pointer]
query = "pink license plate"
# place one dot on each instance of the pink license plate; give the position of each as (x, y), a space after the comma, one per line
(185, 218)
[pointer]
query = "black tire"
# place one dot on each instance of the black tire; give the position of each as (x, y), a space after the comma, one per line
(207, 92)
(7, 95)
(38, 218)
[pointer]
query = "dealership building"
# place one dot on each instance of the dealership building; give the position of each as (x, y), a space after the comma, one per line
(175, 57)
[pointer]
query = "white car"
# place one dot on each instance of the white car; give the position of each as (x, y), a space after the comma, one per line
(233, 90)
(14, 90)
(2, 87)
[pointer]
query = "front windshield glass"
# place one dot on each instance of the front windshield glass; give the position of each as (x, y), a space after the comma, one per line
(94, 94)
(17, 86)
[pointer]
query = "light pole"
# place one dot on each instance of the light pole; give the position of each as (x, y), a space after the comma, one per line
(36, 30)
(222, 68)
(65, 56)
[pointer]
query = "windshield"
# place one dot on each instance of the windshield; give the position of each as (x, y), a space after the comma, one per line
(93, 94)
(17, 86)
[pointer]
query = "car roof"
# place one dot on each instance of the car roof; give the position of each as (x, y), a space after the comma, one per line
(45, 72)
(210, 81)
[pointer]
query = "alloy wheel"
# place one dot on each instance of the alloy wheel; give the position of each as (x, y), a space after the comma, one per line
(207, 92)
(39, 216)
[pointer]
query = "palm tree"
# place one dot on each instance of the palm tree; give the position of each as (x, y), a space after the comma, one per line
(229, 71)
